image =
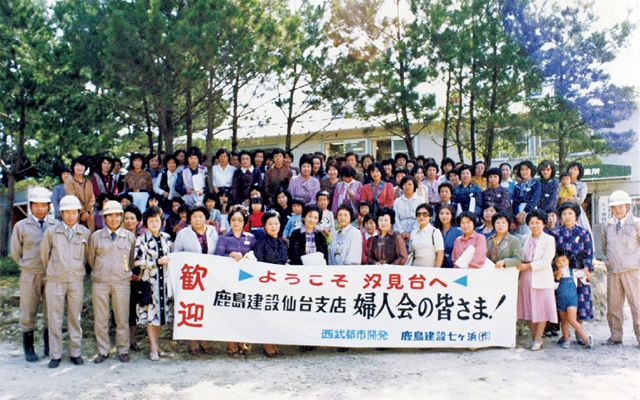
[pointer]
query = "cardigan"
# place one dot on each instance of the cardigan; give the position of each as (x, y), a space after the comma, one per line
(297, 244)
(509, 250)
(542, 271)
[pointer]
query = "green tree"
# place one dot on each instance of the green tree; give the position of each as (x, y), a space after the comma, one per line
(27, 41)
(398, 59)
(569, 54)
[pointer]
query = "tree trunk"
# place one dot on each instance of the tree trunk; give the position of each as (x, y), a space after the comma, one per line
(459, 119)
(148, 121)
(210, 123)
(235, 117)
(189, 117)
(562, 147)
(168, 135)
(491, 129)
(472, 118)
(11, 185)
(445, 128)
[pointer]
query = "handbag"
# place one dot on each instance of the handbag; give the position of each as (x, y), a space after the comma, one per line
(142, 293)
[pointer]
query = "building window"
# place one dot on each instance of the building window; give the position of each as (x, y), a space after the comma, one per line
(387, 148)
(341, 147)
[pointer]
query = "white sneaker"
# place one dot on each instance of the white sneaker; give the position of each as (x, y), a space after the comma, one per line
(153, 356)
(536, 346)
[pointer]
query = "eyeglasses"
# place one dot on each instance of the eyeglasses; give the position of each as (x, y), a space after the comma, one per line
(422, 214)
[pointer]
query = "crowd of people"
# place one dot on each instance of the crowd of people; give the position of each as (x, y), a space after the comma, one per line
(336, 210)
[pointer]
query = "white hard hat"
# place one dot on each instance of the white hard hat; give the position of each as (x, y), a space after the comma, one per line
(70, 202)
(619, 197)
(112, 207)
(40, 195)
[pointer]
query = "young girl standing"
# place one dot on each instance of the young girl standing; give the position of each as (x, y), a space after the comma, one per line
(567, 298)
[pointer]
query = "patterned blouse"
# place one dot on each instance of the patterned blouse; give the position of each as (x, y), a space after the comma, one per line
(578, 242)
(138, 181)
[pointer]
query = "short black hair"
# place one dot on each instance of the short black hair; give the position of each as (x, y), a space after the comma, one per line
(570, 205)
(530, 165)
(445, 184)
(137, 156)
(346, 208)
(369, 217)
(468, 214)
(536, 213)
(502, 214)
(132, 208)
(386, 211)
(400, 171)
(577, 165)
(348, 171)
(407, 179)
(446, 161)
(277, 150)
(401, 155)
(125, 196)
(376, 165)
(305, 159)
(101, 160)
(169, 158)
(210, 196)
(82, 160)
(150, 156)
(545, 164)
(238, 209)
(311, 207)
(270, 214)
(466, 167)
(351, 153)
(257, 200)
(475, 164)
(298, 201)
(494, 171)
(431, 164)
(152, 212)
(454, 171)
(198, 208)
(322, 193)
(425, 206)
(223, 151)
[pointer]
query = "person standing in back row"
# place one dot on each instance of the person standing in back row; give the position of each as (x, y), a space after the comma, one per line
(25, 251)
(111, 254)
(63, 252)
(621, 246)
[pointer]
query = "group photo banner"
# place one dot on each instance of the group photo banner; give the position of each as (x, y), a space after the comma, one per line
(220, 299)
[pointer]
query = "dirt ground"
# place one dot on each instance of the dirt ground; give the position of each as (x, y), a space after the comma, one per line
(600, 373)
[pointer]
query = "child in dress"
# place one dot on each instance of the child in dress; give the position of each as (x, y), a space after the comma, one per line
(567, 189)
(255, 218)
(215, 216)
(295, 220)
(567, 298)
(327, 224)
(364, 208)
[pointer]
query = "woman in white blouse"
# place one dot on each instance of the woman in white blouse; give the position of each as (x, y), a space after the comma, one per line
(346, 244)
(223, 171)
(427, 243)
(405, 207)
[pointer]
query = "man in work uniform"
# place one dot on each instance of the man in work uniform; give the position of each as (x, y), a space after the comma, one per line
(111, 258)
(64, 254)
(25, 250)
(621, 246)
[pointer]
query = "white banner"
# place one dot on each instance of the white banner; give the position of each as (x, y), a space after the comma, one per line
(217, 298)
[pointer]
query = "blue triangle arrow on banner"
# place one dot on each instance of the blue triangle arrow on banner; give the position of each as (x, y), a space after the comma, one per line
(461, 281)
(242, 275)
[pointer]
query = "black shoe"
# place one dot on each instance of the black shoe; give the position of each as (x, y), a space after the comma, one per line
(100, 359)
(76, 360)
(54, 363)
(27, 341)
(135, 347)
(306, 349)
(342, 349)
(611, 342)
(45, 339)
(124, 357)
